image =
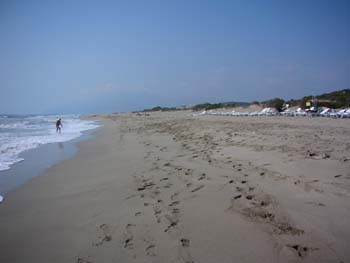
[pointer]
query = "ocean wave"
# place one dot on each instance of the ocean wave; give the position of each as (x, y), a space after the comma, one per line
(12, 144)
(15, 125)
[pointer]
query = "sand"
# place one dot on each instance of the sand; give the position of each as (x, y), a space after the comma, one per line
(170, 187)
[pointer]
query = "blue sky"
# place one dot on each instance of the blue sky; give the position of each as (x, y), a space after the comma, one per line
(108, 56)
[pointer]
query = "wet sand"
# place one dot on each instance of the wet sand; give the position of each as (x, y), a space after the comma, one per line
(169, 187)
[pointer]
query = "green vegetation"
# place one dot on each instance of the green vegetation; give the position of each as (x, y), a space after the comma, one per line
(336, 99)
(212, 106)
(208, 106)
(159, 108)
(293, 103)
(274, 103)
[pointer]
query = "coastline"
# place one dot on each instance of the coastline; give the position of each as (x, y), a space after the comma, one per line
(169, 187)
(38, 160)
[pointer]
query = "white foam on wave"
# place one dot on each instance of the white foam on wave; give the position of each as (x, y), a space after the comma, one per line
(12, 144)
(16, 125)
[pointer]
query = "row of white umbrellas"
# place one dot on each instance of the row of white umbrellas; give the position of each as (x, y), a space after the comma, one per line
(324, 112)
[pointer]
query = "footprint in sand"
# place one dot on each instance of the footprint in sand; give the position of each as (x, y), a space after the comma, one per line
(302, 251)
(237, 197)
(249, 197)
(106, 235)
(197, 188)
(174, 203)
(128, 242)
(157, 211)
(202, 176)
(151, 250)
(184, 251)
(175, 211)
(168, 185)
(173, 220)
(315, 204)
(81, 260)
(174, 195)
(185, 242)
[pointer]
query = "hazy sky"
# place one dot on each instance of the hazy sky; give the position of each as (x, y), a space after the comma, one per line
(107, 56)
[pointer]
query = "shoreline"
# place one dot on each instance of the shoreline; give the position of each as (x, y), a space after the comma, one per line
(169, 187)
(38, 160)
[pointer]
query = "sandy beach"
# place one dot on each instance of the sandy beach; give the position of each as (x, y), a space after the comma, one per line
(171, 187)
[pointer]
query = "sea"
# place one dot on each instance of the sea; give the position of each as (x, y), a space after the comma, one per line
(19, 133)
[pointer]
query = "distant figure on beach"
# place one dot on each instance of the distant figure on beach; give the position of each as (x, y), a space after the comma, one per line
(58, 125)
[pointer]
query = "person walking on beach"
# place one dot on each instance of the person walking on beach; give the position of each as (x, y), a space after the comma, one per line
(58, 125)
